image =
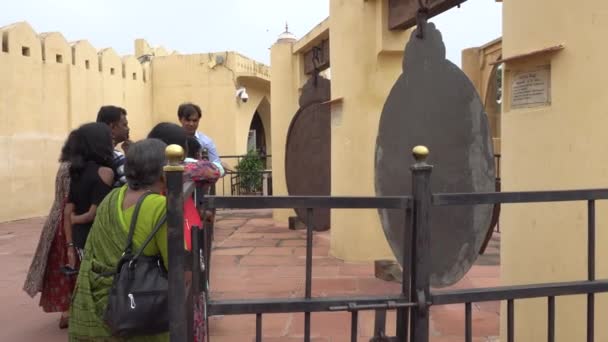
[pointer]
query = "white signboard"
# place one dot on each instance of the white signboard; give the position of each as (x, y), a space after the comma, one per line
(531, 88)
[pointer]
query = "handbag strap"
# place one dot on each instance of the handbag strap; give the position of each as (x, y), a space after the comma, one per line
(159, 224)
(140, 201)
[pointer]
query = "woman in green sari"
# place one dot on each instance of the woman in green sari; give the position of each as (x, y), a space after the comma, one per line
(106, 241)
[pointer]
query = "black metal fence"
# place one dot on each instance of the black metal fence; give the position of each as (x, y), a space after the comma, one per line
(550, 290)
(252, 183)
(257, 183)
(414, 302)
(266, 159)
(240, 183)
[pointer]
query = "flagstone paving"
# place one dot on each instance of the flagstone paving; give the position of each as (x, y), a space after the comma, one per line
(255, 257)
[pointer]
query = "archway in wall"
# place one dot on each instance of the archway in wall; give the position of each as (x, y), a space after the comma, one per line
(492, 102)
(258, 134)
(256, 138)
(253, 135)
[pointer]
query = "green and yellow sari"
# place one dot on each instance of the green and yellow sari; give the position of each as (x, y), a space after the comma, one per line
(104, 247)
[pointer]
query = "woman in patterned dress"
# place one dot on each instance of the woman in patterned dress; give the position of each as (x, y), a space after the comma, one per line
(45, 274)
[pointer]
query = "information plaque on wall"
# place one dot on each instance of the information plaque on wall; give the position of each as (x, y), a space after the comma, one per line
(531, 88)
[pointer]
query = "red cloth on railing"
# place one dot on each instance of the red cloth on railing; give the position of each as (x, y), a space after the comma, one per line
(191, 219)
(203, 171)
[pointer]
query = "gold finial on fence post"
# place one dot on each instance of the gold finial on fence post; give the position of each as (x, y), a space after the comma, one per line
(420, 153)
(175, 156)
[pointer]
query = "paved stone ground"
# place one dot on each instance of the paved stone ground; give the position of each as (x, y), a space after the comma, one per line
(21, 320)
(255, 258)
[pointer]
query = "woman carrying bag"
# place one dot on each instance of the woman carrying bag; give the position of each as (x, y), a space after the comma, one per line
(108, 239)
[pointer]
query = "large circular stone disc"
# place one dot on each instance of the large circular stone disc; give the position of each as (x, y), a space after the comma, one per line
(308, 150)
(433, 103)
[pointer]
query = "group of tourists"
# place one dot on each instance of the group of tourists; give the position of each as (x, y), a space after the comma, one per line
(94, 214)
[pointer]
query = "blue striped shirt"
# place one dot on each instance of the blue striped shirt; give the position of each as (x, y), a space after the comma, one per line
(118, 165)
(208, 143)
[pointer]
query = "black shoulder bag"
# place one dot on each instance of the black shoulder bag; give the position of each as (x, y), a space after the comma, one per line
(138, 299)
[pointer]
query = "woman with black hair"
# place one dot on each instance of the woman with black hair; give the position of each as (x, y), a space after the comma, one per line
(172, 134)
(195, 151)
(203, 172)
(91, 180)
(45, 274)
(109, 236)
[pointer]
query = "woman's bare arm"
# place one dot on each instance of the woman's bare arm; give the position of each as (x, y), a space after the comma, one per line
(67, 221)
(67, 228)
(87, 217)
(107, 176)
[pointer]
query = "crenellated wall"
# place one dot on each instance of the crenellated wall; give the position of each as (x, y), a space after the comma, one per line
(47, 87)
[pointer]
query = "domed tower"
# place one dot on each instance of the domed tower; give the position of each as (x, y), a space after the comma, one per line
(286, 37)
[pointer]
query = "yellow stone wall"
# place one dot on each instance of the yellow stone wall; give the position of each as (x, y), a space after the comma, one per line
(49, 86)
(287, 76)
(559, 146)
(366, 59)
(479, 65)
(46, 90)
(366, 62)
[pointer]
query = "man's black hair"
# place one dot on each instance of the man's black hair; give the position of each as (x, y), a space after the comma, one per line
(110, 114)
(185, 110)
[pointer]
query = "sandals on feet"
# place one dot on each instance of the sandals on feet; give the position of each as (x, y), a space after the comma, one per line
(64, 322)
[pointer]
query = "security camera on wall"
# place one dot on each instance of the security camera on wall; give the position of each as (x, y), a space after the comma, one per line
(241, 94)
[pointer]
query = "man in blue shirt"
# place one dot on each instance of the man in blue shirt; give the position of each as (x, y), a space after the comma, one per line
(189, 116)
(116, 119)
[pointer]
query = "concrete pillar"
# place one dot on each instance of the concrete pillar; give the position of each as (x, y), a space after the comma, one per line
(472, 68)
(284, 104)
(366, 60)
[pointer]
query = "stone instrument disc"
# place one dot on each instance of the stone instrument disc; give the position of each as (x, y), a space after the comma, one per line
(308, 150)
(433, 103)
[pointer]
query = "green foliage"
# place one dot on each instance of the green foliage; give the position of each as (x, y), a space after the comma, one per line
(250, 169)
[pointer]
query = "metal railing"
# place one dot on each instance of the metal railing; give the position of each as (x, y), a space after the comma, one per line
(549, 290)
(265, 159)
(240, 183)
(231, 184)
(416, 298)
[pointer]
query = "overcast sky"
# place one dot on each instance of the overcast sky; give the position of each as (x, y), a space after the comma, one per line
(247, 26)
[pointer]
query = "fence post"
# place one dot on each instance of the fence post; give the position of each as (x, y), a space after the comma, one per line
(178, 318)
(421, 237)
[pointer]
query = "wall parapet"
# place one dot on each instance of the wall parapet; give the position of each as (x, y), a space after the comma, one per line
(20, 40)
(245, 66)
